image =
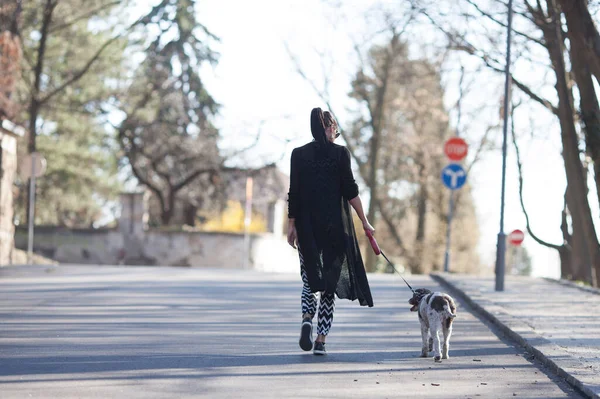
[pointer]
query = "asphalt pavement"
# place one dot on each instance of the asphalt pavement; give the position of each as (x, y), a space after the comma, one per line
(165, 332)
(556, 321)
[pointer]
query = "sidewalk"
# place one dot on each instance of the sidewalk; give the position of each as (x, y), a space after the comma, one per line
(557, 322)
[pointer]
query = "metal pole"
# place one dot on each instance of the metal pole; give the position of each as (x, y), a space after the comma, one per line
(31, 210)
(448, 232)
(247, 221)
(501, 245)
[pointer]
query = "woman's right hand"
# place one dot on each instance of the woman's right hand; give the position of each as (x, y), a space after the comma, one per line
(367, 227)
(292, 236)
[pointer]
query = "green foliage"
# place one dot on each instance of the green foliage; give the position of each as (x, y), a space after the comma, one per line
(81, 173)
(78, 181)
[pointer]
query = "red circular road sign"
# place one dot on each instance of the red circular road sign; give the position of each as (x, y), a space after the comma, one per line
(516, 237)
(456, 148)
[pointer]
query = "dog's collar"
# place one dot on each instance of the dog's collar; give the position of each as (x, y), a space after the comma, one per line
(420, 295)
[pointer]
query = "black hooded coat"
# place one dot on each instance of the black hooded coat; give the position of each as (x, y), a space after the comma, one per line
(321, 184)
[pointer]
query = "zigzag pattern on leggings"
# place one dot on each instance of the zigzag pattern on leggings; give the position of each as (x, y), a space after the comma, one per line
(326, 309)
(309, 303)
(309, 299)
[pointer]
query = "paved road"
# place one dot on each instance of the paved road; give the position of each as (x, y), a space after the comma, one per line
(558, 322)
(110, 332)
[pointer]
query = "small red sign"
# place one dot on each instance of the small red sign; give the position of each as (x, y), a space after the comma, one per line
(516, 237)
(456, 149)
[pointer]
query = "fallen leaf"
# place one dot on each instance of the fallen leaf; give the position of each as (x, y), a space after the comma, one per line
(435, 385)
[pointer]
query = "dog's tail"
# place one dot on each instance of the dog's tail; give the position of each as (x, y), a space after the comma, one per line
(449, 307)
(448, 312)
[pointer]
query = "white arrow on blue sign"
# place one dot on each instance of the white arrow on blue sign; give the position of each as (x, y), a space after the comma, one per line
(454, 176)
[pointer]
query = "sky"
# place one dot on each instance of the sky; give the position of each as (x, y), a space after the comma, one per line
(260, 91)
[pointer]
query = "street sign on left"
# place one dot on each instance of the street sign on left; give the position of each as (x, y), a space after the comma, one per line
(34, 161)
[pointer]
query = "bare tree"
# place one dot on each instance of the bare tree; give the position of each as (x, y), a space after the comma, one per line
(545, 31)
(396, 141)
(577, 191)
(584, 52)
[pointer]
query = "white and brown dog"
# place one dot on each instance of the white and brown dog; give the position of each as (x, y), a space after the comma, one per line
(436, 312)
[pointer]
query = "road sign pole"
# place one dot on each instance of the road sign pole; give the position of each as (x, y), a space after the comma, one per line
(501, 245)
(31, 210)
(448, 232)
(453, 177)
(455, 149)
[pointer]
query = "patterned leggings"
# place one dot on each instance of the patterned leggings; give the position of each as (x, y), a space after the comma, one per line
(309, 303)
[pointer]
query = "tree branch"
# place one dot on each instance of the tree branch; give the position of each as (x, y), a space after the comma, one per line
(472, 50)
(251, 145)
(145, 181)
(88, 65)
(491, 17)
(520, 170)
(302, 74)
(84, 16)
(81, 72)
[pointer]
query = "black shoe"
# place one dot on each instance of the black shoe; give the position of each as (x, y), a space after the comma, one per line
(306, 342)
(319, 349)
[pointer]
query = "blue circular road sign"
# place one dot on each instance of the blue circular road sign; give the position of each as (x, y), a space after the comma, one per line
(454, 176)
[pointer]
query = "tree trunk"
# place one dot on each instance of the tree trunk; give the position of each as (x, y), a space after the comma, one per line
(372, 184)
(417, 263)
(565, 251)
(190, 212)
(34, 105)
(577, 189)
(377, 124)
(576, 15)
(584, 29)
(578, 22)
(168, 208)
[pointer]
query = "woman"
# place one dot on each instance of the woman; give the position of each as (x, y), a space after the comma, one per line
(320, 226)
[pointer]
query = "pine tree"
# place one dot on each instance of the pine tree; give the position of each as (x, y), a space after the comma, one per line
(167, 136)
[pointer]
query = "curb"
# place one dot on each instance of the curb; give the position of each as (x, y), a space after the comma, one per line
(572, 284)
(509, 325)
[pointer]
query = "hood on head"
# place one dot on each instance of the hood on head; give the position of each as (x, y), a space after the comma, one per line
(317, 126)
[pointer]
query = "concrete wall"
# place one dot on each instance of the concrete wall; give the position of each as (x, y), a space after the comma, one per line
(132, 243)
(8, 169)
(267, 252)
